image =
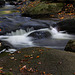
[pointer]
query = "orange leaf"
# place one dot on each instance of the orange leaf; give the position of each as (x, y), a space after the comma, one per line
(0, 29)
(61, 17)
(37, 57)
(44, 72)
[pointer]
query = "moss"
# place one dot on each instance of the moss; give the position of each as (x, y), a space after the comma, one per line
(3, 54)
(41, 8)
(9, 73)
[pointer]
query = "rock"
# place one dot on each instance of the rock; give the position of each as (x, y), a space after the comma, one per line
(70, 46)
(40, 34)
(66, 25)
(5, 45)
(15, 23)
(12, 3)
(2, 3)
(52, 62)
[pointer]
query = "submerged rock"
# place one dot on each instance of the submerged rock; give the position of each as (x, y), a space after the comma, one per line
(70, 46)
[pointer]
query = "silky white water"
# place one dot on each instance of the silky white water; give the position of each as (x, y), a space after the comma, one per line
(20, 37)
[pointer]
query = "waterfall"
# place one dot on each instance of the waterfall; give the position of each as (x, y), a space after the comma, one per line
(20, 32)
(54, 33)
(7, 5)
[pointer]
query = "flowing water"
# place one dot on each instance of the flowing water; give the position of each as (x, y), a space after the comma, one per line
(24, 37)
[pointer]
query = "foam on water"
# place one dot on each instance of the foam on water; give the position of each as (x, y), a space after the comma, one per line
(20, 37)
(7, 5)
(18, 40)
(60, 35)
(54, 33)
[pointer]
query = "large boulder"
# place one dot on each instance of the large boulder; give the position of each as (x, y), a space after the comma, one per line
(66, 25)
(2, 3)
(70, 46)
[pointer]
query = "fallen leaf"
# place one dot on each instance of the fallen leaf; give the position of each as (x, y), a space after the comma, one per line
(12, 58)
(49, 74)
(31, 57)
(44, 72)
(24, 67)
(36, 70)
(0, 29)
(37, 57)
(26, 56)
(1, 68)
(61, 17)
(1, 72)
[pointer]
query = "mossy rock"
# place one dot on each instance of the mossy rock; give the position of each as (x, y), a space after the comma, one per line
(70, 46)
(55, 62)
(42, 8)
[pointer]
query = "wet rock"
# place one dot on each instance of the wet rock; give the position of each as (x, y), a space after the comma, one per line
(66, 25)
(40, 34)
(70, 46)
(17, 22)
(5, 45)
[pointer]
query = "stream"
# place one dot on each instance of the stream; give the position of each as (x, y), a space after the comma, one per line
(21, 32)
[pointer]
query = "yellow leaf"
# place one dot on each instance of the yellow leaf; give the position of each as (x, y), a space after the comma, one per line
(1, 68)
(11, 57)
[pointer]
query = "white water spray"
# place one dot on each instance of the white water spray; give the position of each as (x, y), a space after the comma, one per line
(23, 40)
